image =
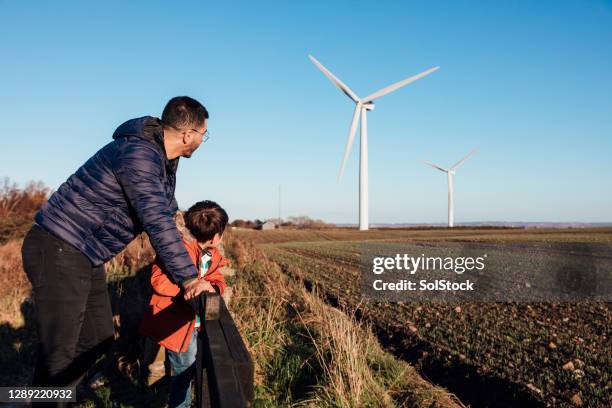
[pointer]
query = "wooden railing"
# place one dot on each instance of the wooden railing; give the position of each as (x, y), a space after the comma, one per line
(224, 368)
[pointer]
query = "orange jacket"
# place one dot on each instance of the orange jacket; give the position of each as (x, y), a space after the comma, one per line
(169, 319)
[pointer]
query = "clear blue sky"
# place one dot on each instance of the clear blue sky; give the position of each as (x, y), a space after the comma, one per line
(527, 82)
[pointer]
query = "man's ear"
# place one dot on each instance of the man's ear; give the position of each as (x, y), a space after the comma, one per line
(186, 137)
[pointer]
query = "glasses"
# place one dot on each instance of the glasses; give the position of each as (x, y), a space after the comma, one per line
(205, 136)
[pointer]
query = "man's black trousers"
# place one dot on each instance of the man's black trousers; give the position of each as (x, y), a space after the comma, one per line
(72, 309)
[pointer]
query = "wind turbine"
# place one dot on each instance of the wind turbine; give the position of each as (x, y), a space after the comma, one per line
(361, 107)
(450, 173)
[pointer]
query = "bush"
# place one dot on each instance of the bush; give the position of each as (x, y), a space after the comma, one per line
(18, 206)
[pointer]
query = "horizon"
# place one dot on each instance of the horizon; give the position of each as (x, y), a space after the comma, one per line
(528, 84)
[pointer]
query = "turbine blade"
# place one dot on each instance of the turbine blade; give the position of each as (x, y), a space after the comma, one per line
(435, 166)
(460, 162)
(398, 85)
(341, 85)
(351, 138)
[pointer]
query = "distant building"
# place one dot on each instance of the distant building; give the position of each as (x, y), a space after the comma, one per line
(268, 225)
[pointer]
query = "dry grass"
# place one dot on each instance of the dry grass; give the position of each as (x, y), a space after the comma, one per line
(342, 346)
(17, 208)
(259, 316)
(15, 286)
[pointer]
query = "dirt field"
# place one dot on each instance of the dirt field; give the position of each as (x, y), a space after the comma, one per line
(488, 354)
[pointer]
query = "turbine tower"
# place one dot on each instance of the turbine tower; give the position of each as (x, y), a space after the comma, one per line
(361, 107)
(450, 173)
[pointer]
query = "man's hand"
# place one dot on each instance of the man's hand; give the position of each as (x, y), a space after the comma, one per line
(195, 286)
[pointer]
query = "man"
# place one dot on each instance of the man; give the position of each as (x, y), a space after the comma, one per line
(125, 188)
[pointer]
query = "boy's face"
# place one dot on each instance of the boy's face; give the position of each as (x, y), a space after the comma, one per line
(212, 243)
(217, 239)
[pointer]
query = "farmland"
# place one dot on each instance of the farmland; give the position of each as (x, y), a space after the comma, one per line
(488, 354)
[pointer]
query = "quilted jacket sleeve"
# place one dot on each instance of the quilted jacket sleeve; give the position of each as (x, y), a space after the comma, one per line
(138, 169)
(173, 206)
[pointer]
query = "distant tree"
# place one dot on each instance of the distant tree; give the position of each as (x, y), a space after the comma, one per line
(303, 221)
(291, 222)
(238, 223)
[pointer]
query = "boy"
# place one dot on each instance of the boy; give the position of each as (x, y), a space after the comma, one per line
(170, 320)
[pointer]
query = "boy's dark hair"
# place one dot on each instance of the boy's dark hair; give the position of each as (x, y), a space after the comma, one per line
(183, 112)
(205, 219)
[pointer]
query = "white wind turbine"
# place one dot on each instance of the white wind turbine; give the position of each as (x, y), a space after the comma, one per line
(362, 106)
(450, 173)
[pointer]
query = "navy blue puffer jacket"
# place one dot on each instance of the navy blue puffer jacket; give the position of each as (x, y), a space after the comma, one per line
(123, 189)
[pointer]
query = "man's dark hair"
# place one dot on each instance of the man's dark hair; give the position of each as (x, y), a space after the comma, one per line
(205, 219)
(183, 112)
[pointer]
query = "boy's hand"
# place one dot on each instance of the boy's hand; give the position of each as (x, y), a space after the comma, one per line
(196, 286)
(189, 286)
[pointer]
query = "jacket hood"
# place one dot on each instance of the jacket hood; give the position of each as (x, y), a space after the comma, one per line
(148, 128)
